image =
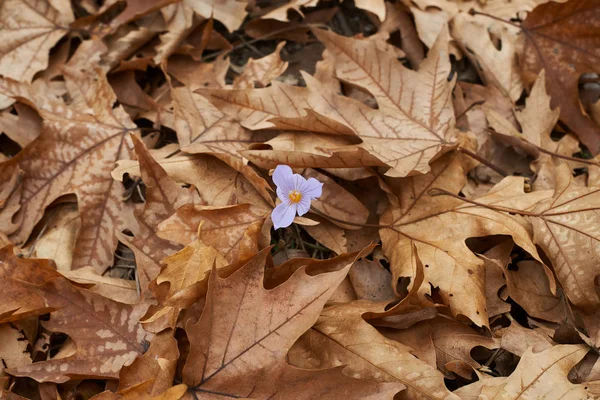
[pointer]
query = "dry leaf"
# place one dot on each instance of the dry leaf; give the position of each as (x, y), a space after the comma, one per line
(562, 39)
(74, 154)
(449, 264)
(30, 30)
(215, 361)
(341, 336)
(540, 376)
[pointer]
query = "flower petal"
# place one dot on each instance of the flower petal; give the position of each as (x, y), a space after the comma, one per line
(283, 215)
(283, 195)
(303, 205)
(298, 181)
(312, 189)
(282, 176)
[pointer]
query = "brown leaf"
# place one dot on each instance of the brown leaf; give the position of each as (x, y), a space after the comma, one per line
(337, 202)
(163, 197)
(157, 364)
(202, 128)
(496, 259)
(450, 341)
(518, 340)
(540, 376)
(528, 286)
(565, 226)
(74, 154)
(342, 336)
(563, 39)
(232, 230)
(236, 364)
(106, 333)
(30, 31)
(449, 264)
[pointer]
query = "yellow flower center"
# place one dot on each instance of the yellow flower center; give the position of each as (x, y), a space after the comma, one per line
(295, 196)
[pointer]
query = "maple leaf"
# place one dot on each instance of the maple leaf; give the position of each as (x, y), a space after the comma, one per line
(341, 336)
(75, 153)
(251, 361)
(416, 106)
(563, 39)
(449, 264)
(30, 29)
(541, 376)
(565, 226)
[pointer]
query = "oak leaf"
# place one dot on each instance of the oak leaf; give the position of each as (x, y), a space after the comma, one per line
(563, 39)
(341, 336)
(449, 264)
(540, 376)
(232, 230)
(415, 106)
(30, 29)
(75, 153)
(107, 334)
(246, 362)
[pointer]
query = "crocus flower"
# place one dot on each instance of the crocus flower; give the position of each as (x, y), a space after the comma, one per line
(295, 193)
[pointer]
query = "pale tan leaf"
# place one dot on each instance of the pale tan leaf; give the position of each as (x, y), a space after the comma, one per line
(329, 235)
(371, 281)
(29, 29)
(230, 12)
(121, 290)
(22, 128)
(281, 13)
(13, 349)
(417, 117)
(539, 376)
(495, 67)
(263, 71)
(60, 236)
(518, 340)
(220, 179)
(377, 7)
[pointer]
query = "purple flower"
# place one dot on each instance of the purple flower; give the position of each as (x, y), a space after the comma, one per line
(295, 194)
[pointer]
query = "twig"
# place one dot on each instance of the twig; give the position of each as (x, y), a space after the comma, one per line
(483, 161)
(475, 12)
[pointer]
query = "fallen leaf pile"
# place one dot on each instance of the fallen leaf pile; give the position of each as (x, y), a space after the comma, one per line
(454, 252)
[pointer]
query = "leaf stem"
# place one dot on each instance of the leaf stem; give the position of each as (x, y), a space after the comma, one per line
(475, 12)
(444, 192)
(483, 161)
